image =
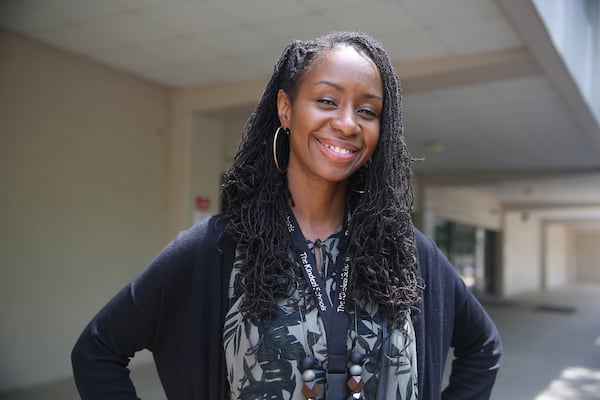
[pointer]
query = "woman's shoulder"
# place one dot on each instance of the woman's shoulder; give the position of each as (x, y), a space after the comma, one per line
(203, 243)
(431, 260)
(206, 232)
(424, 244)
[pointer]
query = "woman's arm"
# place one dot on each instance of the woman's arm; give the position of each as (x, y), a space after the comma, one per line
(452, 317)
(101, 356)
(477, 349)
(142, 315)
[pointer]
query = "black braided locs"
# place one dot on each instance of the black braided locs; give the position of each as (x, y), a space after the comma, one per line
(381, 243)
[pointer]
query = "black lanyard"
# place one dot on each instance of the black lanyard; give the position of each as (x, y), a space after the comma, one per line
(332, 310)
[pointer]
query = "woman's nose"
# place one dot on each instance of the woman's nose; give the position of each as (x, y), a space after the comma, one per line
(345, 121)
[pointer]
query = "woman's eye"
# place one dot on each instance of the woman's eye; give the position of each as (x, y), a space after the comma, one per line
(368, 112)
(327, 102)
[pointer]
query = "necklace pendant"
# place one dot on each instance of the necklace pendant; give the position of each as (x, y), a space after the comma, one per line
(310, 389)
(356, 396)
(356, 383)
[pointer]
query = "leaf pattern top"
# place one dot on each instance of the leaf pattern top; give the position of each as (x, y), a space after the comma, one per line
(272, 370)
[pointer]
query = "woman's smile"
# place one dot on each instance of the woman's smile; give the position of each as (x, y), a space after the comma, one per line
(337, 151)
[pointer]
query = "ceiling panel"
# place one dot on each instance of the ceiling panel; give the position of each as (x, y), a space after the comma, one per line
(480, 128)
(390, 15)
(412, 44)
(284, 30)
(260, 11)
(477, 36)
(38, 15)
(188, 19)
(435, 12)
(332, 6)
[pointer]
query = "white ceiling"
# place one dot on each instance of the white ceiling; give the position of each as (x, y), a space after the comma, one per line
(505, 116)
(196, 42)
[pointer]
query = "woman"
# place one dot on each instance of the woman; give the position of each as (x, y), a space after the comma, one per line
(312, 283)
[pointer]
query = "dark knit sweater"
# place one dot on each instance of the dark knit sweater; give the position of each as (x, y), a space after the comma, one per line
(175, 308)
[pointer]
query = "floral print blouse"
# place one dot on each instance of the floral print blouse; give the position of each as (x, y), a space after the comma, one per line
(272, 369)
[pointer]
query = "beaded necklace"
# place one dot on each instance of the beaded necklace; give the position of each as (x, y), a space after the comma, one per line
(310, 389)
(332, 309)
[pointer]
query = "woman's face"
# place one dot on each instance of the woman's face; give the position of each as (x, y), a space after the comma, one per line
(334, 116)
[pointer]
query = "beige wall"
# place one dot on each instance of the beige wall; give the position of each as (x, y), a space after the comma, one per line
(556, 255)
(521, 253)
(201, 147)
(232, 129)
(207, 157)
(571, 257)
(193, 112)
(83, 174)
(587, 248)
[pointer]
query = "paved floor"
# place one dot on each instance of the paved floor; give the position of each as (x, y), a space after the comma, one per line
(551, 346)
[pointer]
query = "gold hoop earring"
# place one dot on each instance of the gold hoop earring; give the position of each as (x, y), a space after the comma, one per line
(361, 177)
(281, 170)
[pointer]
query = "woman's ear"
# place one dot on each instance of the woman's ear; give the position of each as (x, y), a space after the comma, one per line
(284, 107)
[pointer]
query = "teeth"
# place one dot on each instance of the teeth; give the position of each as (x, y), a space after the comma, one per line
(338, 150)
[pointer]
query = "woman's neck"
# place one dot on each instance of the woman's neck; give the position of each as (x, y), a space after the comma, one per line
(318, 207)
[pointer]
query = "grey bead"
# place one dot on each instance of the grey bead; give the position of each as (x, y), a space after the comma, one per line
(309, 375)
(356, 370)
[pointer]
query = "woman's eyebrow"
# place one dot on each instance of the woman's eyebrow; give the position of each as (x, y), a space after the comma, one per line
(341, 89)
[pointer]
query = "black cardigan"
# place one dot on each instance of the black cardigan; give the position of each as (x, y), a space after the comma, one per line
(175, 308)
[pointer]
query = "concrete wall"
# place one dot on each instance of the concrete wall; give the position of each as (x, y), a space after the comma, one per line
(207, 157)
(232, 129)
(521, 253)
(587, 248)
(556, 255)
(83, 166)
(191, 110)
(571, 257)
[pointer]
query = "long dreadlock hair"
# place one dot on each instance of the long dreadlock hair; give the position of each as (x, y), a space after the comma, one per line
(381, 244)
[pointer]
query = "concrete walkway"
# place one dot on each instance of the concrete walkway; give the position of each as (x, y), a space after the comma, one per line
(551, 351)
(551, 345)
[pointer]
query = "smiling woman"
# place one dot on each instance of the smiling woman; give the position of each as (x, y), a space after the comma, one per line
(313, 282)
(333, 122)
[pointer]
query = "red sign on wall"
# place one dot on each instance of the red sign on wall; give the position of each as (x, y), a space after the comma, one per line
(202, 203)
(201, 208)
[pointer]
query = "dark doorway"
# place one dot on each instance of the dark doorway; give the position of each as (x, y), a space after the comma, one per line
(491, 258)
